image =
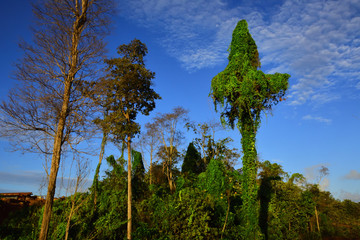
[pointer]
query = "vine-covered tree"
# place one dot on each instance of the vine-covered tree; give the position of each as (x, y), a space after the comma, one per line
(244, 92)
(128, 87)
(47, 111)
(138, 176)
(192, 163)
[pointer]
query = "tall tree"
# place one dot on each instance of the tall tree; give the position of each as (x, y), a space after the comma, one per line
(244, 92)
(170, 137)
(48, 104)
(128, 87)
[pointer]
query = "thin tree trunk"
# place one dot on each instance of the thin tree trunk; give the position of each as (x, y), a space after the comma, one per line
(72, 208)
(170, 176)
(172, 186)
(129, 225)
(58, 139)
(151, 166)
(69, 220)
(55, 162)
(227, 214)
(101, 156)
(317, 219)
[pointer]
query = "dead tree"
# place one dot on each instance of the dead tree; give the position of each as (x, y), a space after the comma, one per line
(48, 103)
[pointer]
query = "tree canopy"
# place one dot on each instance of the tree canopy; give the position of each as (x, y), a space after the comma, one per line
(241, 89)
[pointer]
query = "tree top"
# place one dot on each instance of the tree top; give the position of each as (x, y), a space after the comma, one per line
(241, 89)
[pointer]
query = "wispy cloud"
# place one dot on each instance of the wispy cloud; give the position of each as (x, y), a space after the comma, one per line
(33, 180)
(197, 33)
(317, 118)
(317, 42)
(24, 178)
(355, 197)
(353, 174)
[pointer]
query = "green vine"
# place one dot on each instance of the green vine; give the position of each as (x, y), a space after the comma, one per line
(244, 92)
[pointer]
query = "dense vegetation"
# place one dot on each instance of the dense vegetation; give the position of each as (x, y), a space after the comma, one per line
(206, 205)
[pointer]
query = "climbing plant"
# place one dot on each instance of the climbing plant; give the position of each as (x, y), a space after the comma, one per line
(243, 92)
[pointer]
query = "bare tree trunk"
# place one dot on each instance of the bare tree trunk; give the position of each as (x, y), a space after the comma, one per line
(171, 182)
(58, 140)
(129, 225)
(169, 175)
(55, 161)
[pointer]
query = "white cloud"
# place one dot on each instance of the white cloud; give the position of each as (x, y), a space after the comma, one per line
(358, 85)
(317, 42)
(353, 174)
(319, 119)
(314, 41)
(355, 197)
(197, 33)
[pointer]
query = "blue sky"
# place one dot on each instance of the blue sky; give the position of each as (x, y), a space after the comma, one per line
(317, 42)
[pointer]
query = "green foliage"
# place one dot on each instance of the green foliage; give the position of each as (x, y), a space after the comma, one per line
(242, 89)
(196, 210)
(118, 93)
(139, 186)
(22, 224)
(192, 163)
(270, 172)
(244, 92)
(137, 164)
(182, 216)
(213, 179)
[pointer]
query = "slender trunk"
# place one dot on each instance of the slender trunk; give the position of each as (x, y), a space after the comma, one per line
(58, 139)
(171, 182)
(72, 208)
(169, 171)
(151, 166)
(96, 177)
(129, 189)
(69, 220)
(169, 174)
(227, 214)
(55, 162)
(317, 219)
